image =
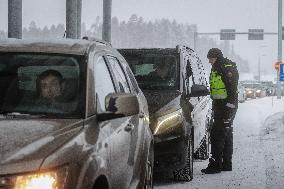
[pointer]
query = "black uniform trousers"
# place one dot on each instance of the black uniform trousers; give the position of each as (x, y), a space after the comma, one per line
(222, 134)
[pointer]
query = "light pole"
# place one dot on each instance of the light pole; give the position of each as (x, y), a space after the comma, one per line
(259, 60)
(15, 19)
(107, 20)
(279, 43)
(71, 19)
(259, 66)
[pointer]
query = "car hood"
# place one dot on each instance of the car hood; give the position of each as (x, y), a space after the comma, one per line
(24, 144)
(157, 99)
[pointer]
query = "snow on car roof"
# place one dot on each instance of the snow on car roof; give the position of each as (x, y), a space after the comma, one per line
(64, 46)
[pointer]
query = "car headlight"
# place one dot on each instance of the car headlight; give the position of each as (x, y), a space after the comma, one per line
(249, 92)
(55, 179)
(169, 122)
(258, 91)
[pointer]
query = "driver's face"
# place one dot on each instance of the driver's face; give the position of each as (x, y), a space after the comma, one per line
(50, 87)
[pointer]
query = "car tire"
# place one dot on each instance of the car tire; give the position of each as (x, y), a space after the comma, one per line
(148, 178)
(186, 173)
(203, 151)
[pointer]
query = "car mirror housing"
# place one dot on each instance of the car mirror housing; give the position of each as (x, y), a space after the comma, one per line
(119, 105)
(199, 90)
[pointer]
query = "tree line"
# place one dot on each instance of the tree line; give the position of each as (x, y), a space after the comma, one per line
(138, 33)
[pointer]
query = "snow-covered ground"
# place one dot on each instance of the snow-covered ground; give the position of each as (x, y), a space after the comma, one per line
(258, 160)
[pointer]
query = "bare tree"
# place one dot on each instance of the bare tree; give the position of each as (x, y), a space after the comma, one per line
(71, 19)
(107, 20)
(15, 19)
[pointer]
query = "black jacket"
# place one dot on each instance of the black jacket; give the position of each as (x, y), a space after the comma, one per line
(230, 76)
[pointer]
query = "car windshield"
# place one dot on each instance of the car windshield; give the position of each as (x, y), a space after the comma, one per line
(41, 84)
(155, 71)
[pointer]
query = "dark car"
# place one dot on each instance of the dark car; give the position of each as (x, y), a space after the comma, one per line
(71, 116)
(175, 85)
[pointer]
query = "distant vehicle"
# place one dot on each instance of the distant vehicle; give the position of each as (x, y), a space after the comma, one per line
(260, 91)
(176, 87)
(242, 96)
(250, 88)
(94, 133)
(268, 87)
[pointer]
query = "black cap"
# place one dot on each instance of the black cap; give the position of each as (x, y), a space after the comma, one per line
(214, 53)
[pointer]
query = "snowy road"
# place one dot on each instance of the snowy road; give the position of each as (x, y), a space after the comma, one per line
(258, 160)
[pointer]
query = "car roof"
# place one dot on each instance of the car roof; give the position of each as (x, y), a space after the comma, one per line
(148, 50)
(60, 46)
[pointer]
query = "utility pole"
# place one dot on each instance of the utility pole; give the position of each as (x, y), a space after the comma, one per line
(15, 19)
(279, 43)
(107, 20)
(258, 68)
(79, 18)
(71, 19)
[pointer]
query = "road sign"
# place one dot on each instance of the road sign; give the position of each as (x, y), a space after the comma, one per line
(281, 72)
(255, 34)
(227, 34)
(276, 65)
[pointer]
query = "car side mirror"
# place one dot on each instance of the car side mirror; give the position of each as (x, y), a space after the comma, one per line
(119, 105)
(199, 90)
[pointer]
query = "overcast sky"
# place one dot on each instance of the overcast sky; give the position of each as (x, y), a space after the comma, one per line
(209, 15)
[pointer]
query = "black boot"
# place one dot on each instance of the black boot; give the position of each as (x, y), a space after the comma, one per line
(213, 167)
(227, 167)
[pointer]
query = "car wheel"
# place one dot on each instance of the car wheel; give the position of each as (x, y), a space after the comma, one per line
(203, 151)
(186, 173)
(148, 178)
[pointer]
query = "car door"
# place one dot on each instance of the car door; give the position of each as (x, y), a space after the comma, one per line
(131, 128)
(201, 109)
(142, 136)
(190, 77)
(118, 129)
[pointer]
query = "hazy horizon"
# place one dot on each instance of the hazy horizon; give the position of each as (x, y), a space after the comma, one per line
(208, 15)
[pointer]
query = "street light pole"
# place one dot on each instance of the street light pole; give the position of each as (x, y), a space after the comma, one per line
(71, 19)
(15, 19)
(258, 68)
(107, 20)
(279, 43)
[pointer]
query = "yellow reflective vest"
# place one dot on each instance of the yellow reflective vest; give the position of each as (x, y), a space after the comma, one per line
(217, 86)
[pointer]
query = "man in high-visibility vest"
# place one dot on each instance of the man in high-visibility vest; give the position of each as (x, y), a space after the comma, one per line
(224, 93)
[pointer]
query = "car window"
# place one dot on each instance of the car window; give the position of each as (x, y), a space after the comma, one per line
(189, 81)
(132, 80)
(103, 83)
(119, 74)
(41, 84)
(155, 71)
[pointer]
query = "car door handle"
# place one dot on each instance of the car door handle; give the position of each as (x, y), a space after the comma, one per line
(129, 127)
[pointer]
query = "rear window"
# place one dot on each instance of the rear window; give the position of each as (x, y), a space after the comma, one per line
(155, 71)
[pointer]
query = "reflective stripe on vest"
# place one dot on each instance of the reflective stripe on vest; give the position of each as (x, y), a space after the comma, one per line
(217, 86)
